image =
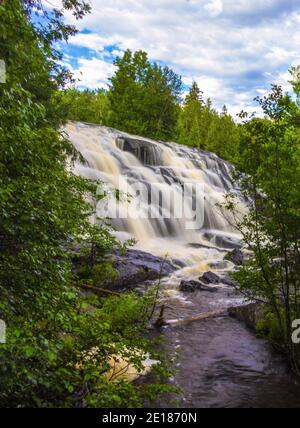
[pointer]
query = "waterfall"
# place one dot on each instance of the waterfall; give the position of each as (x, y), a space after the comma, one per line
(124, 161)
(208, 354)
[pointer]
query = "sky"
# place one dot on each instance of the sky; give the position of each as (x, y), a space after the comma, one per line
(234, 49)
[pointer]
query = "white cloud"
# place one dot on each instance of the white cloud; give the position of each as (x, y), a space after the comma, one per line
(228, 45)
(214, 7)
(93, 73)
(91, 41)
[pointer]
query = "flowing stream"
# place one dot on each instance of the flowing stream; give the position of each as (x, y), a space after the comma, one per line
(220, 362)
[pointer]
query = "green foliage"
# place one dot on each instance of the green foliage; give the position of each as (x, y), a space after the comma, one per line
(57, 369)
(190, 122)
(144, 97)
(269, 158)
(86, 106)
(104, 274)
(51, 327)
(130, 312)
(269, 327)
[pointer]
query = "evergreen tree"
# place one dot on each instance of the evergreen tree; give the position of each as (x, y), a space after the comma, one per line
(223, 138)
(199, 125)
(190, 125)
(144, 97)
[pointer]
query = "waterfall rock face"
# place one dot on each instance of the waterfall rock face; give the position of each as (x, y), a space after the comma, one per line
(146, 152)
(147, 172)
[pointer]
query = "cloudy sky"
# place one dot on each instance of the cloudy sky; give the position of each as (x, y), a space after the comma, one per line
(234, 49)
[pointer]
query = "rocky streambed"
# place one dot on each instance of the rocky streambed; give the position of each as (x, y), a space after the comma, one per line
(220, 361)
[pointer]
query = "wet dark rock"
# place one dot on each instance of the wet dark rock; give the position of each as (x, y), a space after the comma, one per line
(191, 286)
(213, 278)
(197, 245)
(210, 278)
(169, 176)
(137, 266)
(128, 269)
(222, 241)
(218, 265)
(179, 263)
(147, 152)
(250, 313)
(236, 256)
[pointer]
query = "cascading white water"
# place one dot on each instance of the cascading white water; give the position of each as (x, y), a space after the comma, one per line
(113, 155)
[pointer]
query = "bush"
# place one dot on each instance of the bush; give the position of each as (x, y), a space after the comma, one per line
(103, 274)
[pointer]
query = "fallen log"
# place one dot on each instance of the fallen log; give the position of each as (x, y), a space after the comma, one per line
(99, 290)
(200, 317)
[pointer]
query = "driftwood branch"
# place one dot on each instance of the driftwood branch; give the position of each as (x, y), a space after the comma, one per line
(160, 320)
(200, 317)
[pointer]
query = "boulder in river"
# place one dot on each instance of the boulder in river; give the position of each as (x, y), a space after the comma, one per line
(236, 256)
(250, 313)
(189, 286)
(137, 266)
(223, 241)
(120, 271)
(210, 278)
(213, 278)
(192, 285)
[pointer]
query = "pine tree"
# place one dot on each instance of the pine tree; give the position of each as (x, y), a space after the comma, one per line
(190, 124)
(144, 97)
(199, 125)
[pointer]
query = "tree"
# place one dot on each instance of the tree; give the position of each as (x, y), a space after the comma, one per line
(144, 97)
(223, 135)
(199, 125)
(85, 106)
(269, 158)
(190, 125)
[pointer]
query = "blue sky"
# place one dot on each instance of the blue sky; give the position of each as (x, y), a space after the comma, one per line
(234, 49)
